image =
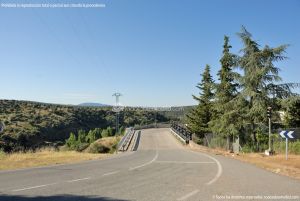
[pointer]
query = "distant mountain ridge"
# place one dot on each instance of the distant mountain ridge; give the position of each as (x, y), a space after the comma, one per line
(93, 104)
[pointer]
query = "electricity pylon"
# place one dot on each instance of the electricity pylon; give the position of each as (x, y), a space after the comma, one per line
(117, 95)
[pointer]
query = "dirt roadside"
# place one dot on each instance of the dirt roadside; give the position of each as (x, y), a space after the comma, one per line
(277, 163)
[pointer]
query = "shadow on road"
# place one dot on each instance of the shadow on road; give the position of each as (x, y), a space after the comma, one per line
(56, 198)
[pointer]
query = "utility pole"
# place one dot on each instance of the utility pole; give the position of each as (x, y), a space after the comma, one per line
(269, 115)
(155, 117)
(117, 95)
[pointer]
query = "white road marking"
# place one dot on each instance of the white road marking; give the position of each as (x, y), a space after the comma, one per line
(110, 173)
(188, 195)
(220, 169)
(148, 163)
(33, 187)
(184, 162)
(145, 164)
(219, 173)
(74, 180)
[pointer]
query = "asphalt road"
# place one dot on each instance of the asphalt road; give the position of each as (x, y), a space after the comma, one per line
(161, 169)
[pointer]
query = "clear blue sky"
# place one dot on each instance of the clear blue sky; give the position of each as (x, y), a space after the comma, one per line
(151, 51)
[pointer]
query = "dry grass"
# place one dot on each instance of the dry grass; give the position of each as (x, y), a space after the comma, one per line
(277, 163)
(109, 141)
(44, 157)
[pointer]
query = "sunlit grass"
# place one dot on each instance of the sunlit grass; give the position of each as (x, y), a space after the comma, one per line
(43, 157)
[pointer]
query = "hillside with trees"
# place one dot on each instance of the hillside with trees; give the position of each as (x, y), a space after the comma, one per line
(30, 125)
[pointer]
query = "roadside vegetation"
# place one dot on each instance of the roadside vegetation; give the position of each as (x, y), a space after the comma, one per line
(236, 106)
(31, 125)
(94, 144)
(94, 141)
(43, 157)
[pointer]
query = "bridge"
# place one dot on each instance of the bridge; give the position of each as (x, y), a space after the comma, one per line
(162, 168)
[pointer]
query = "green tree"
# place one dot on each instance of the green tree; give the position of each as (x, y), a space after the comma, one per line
(110, 131)
(105, 133)
(259, 73)
(199, 117)
(71, 142)
(81, 136)
(121, 130)
(226, 121)
(292, 112)
(91, 136)
(97, 133)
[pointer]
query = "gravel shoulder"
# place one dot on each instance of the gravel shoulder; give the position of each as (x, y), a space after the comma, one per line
(277, 163)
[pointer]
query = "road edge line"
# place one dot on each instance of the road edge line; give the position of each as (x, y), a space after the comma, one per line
(188, 195)
(220, 168)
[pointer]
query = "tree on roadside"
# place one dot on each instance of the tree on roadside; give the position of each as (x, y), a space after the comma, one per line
(106, 132)
(71, 142)
(259, 73)
(110, 131)
(227, 120)
(199, 117)
(81, 136)
(98, 133)
(91, 136)
(292, 112)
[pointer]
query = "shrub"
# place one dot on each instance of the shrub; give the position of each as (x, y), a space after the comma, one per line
(72, 142)
(105, 133)
(81, 136)
(218, 142)
(197, 140)
(98, 148)
(247, 148)
(294, 147)
(91, 137)
(82, 146)
(109, 131)
(98, 133)
(2, 154)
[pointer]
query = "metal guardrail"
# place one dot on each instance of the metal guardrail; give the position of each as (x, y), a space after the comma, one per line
(182, 132)
(158, 125)
(125, 141)
(128, 130)
(136, 140)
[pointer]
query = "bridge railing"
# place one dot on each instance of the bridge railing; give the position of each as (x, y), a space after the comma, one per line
(136, 140)
(126, 139)
(153, 125)
(182, 132)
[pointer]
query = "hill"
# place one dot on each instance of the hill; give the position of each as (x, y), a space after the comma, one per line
(93, 105)
(29, 125)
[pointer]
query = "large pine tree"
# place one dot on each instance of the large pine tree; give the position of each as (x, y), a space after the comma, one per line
(199, 117)
(227, 118)
(259, 77)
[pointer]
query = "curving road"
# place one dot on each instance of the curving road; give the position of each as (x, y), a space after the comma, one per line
(161, 169)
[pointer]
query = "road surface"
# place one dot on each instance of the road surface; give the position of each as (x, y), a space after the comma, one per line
(161, 169)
